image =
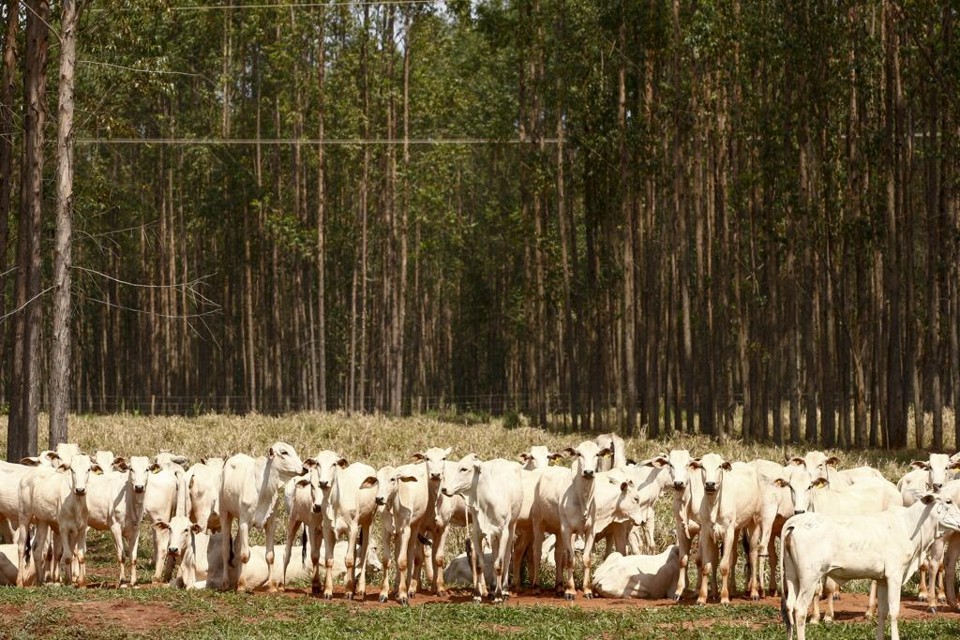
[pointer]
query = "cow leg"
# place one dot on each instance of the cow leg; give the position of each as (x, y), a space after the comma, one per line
(588, 541)
(683, 542)
(23, 534)
(243, 551)
(536, 549)
(132, 539)
(727, 560)
(934, 564)
(385, 555)
(78, 538)
(440, 560)
(360, 587)
(479, 579)
(706, 565)
(293, 528)
(871, 602)
(567, 539)
(329, 542)
(350, 560)
(316, 539)
(66, 558)
(951, 556)
(885, 596)
(269, 530)
(403, 563)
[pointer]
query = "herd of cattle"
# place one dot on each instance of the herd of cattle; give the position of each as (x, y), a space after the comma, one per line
(833, 525)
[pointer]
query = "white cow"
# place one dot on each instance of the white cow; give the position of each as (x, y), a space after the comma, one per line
(494, 496)
(448, 511)
(639, 576)
(820, 464)
(248, 494)
(8, 566)
(435, 460)
(10, 475)
(348, 497)
(549, 490)
(403, 493)
(616, 458)
(164, 497)
(687, 494)
(203, 492)
(538, 457)
(886, 547)
(115, 504)
(732, 504)
(608, 497)
(55, 499)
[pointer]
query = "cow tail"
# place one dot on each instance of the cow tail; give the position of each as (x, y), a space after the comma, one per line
(303, 546)
(786, 542)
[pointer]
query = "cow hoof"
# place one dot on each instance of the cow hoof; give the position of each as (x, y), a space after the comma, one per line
(676, 599)
(383, 598)
(932, 610)
(588, 595)
(942, 599)
(348, 596)
(922, 597)
(315, 589)
(477, 599)
(755, 597)
(327, 596)
(569, 596)
(442, 593)
(403, 600)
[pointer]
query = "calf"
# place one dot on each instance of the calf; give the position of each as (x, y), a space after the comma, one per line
(55, 499)
(494, 495)
(164, 497)
(885, 547)
(639, 576)
(248, 494)
(348, 497)
(202, 482)
(611, 497)
(115, 503)
(732, 504)
(687, 495)
(448, 511)
(403, 494)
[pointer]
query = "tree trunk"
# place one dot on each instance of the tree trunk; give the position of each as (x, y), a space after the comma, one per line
(60, 356)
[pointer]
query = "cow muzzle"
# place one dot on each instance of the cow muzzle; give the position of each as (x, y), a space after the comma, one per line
(80, 491)
(679, 486)
(138, 488)
(380, 500)
(710, 487)
(588, 474)
(317, 508)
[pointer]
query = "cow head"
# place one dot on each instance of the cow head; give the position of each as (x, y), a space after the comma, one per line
(434, 458)
(79, 469)
(389, 479)
(467, 470)
(586, 458)
(936, 467)
(181, 531)
(798, 480)
(538, 457)
(137, 469)
(712, 467)
(285, 460)
(678, 462)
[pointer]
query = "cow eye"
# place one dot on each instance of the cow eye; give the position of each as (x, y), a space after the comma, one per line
(463, 469)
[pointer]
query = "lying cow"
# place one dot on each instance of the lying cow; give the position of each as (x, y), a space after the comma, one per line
(639, 576)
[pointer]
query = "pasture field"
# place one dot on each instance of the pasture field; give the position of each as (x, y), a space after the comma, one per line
(101, 611)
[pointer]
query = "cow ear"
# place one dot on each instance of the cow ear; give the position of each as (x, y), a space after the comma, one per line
(369, 482)
(195, 529)
(606, 451)
(447, 452)
(820, 483)
(920, 464)
(419, 457)
(624, 486)
(406, 477)
(659, 462)
(271, 453)
(160, 525)
(928, 498)
(476, 462)
(798, 461)
(120, 464)
(726, 466)
(154, 468)
(553, 457)
(832, 461)
(524, 458)
(954, 465)
(633, 463)
(97, 469)
(309, 464)
(30, 461)
(302, 481)
(571, 452)
(183, 461)
(342, 463)
(695, 464)
(780, 482)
